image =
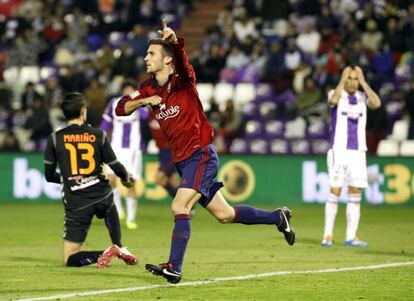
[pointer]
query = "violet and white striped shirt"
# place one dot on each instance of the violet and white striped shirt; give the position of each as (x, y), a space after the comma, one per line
(126, 131)
(348, 121)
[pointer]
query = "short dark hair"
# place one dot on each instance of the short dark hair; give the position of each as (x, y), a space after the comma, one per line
(165, 46)
(129, 83)
(72, 105)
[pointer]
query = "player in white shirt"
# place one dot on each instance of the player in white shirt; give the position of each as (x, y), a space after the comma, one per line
(125, 136)
(346, 157)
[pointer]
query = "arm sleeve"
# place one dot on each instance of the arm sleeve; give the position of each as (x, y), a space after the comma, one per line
(107, 118)
(50, 162)
(109, 158)
(120, 107)
(182, 63)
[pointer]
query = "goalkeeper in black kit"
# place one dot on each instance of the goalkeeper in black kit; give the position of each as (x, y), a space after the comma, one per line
(80, 151)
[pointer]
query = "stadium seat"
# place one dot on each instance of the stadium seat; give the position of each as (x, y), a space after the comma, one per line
(267, 109)
(274, 128)
(205, 92)
(394, 110)
(243, 94)
(319, 146)
(295, 128)
(300, 147)
(259, 146)
(287, 97)
(279, 146)
(254, 129)
(239, 146)
(250, 111)
(400, 130)
(388, 148)
(317, 129)
(407, 148)
(264, 91)
(222, 93)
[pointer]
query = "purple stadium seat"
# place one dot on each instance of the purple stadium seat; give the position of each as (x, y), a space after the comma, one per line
(395, 110)
(254, 129)
(300, 147)
(250, 111)
(239, 146)
(279, 146)
(274, 128)
(259, 146)
(267, 109)
(320, 146)
(287, 97)
(264, 91)
(317, 128)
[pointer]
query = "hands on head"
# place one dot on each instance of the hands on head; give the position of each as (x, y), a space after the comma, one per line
(357, 69)
(167, 33)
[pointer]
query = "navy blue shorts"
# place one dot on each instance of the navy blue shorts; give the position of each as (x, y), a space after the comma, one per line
(199, 172)
(166, 164)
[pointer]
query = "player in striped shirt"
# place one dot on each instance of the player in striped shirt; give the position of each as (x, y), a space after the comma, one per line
(346, 156)
(125, 136)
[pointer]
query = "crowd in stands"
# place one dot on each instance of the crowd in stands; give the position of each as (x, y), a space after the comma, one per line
(297, 47)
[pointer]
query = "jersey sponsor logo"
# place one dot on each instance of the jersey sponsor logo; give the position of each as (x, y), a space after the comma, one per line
(83, 182)
(171, 112)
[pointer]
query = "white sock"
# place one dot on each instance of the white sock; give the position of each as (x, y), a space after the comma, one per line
(131, 204)
(353, 213)
(118, 202)
(331, 208)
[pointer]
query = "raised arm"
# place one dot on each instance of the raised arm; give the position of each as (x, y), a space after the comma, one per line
(181, 62)
(334, 99)
(374, 102)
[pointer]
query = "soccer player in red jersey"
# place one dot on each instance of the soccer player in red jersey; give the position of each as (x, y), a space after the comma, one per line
(171, 93)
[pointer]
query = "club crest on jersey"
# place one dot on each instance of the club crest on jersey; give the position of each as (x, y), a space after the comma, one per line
(165, 113)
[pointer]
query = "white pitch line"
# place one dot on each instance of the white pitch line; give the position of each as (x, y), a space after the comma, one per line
(215, 280)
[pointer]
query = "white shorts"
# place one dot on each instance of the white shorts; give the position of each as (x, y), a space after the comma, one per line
(347, 167)
(131, 159)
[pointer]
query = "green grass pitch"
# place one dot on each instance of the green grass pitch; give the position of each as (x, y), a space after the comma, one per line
(30, 257)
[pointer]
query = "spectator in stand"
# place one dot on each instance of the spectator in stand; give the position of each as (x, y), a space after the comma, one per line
(214, 64)
(96, 99)
(395, 39)
(308, 41)
(244, 26)
(357, 55)
(38, 124)
(10, 143)
(293, 56)
(372, 38)
(29, 95)
(231, 122)
(310, 95)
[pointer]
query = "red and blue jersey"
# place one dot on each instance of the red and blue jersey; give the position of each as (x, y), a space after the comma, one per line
(180, 114)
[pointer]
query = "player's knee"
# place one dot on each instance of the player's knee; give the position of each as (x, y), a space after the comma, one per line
(225, 217)
(178, 208)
